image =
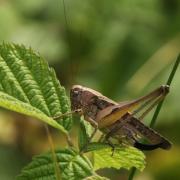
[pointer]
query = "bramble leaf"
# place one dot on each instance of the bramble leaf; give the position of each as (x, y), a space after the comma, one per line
(29, 86)
(122, 157)
(84, 133)
(72, 166)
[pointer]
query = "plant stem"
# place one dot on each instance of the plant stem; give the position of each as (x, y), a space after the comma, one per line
(54, 157)
(156, 113)
(168, 83)
(132, 173)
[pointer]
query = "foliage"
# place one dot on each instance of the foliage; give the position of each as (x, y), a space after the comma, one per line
(30, 87)
(122, 157)
(85, 131)
(120, 48)
(72, 165)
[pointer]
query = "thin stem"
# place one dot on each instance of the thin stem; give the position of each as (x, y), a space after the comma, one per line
(54, 157)
(69, 141)
(132, 173)
(171, 76)
(71, 69)
(156, 113)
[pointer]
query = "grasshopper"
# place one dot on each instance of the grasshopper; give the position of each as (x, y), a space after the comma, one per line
(119, 120)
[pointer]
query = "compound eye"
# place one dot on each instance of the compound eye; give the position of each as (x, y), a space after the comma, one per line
(75, 93)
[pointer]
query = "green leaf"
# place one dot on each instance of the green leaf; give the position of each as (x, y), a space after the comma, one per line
(13, 104)
(29, 86)
(93, 146)
(84, 133)
(72, 166)
(96, 177)
(122, 157)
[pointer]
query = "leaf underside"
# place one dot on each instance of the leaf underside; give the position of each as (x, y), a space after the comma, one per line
(29, 86)
(72, 165)
(121, 157)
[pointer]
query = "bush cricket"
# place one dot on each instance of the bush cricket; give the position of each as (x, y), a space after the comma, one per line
(120, 120)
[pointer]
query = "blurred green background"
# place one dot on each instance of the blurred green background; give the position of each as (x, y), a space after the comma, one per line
(122, 48)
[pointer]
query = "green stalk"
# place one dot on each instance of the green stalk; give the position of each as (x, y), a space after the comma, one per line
(156, 113)
(132, 173)
(171, 76)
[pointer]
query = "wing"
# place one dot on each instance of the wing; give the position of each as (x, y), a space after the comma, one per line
(156, 139)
